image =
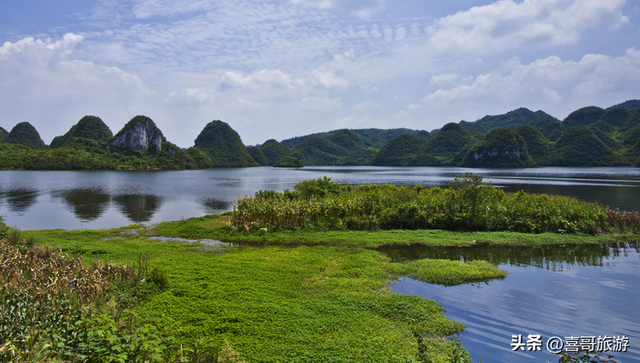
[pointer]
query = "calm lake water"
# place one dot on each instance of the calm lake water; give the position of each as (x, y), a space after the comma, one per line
(106, 199)
(551, 291)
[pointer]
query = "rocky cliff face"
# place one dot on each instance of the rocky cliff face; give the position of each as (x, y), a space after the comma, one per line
(141, 134)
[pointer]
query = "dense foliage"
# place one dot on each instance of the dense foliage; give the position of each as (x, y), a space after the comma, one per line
(513, 119)
(24, 134)
(257, 155)
(468, 205)
(85, 154)
(89, 127)
(3, 133)
(273, 151)
(501, 148)
(289, 162)
(223, 145)
(590, 136)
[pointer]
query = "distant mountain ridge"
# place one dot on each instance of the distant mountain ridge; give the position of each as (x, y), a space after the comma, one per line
(590, 136)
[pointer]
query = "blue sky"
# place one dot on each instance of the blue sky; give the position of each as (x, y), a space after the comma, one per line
(278, 69)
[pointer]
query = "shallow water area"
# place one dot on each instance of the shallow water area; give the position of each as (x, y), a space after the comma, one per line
(585, 291)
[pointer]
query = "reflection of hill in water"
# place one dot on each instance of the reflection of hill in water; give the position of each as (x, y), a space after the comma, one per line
(20, 200)
(215, 206)
(550, 257)
(86, 203)
(138, 207)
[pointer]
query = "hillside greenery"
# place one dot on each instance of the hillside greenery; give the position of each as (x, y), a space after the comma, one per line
(501, 148)
(273, 151)
(583, 117)
(24, 134)
(538, 146)
(603, 137)
(223, 145)
(289, 162)
(257, 155)
(3, 133)
(89, 127)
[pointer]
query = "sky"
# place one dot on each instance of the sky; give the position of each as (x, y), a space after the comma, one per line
(279, 69)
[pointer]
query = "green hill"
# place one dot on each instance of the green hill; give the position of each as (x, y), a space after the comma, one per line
(449, 141)
(553, 131)
(339, 147)
(629, 105)
(502, 148)
(538, 146)
(614, 120)
(224, 146)
(399, 151)
(3, 133)
(583, 117)
(24, 134)
(512, 120)
(89, 127)
(257, 155)
(376, 138)
(580, 146)
(273, 151)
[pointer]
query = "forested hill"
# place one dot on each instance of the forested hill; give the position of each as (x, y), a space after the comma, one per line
(139, 145)
(371, 137)
(590, 136)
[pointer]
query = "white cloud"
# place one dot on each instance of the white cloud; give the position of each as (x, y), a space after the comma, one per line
(361, 8)
(509, 24)
(40, 81)
(414, 107)
(149, 8)
(367, 105)
(443, 78)
(190, 96)
(320, 104)
(263, 78)
(595, 79)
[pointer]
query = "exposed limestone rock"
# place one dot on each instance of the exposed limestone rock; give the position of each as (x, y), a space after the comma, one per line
(140, 134)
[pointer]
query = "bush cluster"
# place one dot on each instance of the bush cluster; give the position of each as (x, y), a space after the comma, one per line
(468, 205)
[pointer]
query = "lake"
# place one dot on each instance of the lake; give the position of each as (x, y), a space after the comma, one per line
(107, 199)
(551, 291)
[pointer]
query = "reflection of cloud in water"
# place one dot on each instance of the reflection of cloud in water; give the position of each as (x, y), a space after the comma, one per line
(87, 204)
(20, 200)
(138, 207)
(216, 206)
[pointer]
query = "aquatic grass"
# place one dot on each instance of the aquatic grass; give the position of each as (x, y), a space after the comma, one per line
(450, 273)
(278, 303)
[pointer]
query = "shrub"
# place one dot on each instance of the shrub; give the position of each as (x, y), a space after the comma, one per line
(469, 205)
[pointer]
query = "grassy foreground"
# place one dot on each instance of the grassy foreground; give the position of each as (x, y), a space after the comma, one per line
(280, 303)
(297, 296)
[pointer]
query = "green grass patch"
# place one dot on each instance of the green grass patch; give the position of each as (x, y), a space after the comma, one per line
(283, 303)
(215, 227)
(449, 273)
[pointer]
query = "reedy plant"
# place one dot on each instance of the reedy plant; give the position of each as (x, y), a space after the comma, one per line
(470, 206)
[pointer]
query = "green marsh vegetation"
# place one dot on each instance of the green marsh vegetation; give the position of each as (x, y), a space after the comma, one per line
(468, 205)
(311, 290)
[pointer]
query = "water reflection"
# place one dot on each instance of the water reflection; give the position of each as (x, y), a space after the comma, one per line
(20, 200)
(87, 204)
(549, 257)
(565, 297)
(213, 206)
(138, 208)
